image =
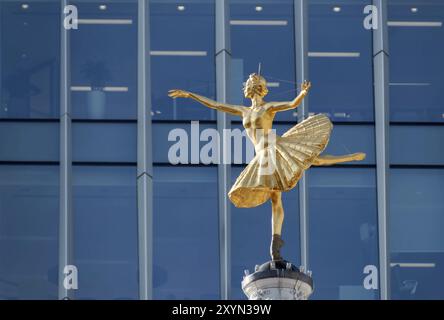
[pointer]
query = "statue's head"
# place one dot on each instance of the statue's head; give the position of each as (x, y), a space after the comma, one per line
(255, 85)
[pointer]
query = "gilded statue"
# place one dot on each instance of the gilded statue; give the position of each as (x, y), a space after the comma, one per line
(291, 154)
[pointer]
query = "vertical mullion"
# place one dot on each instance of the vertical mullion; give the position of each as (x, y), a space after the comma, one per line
(65, 219)
(301, 54)
(223, 56)
(144, 159)
(381, 96)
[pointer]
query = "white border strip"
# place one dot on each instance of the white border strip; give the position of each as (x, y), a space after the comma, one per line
(178, 53)
(414, 23)
(105, 21)
(410, 84)
(107, 89)
(412, 265)
(269, 84)
(334, 54)
(258, 22)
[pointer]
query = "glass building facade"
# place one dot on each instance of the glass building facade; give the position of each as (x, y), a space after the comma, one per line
(85, 136)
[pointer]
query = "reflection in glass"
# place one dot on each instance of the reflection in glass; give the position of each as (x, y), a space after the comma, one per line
(105, 232)
(182, 56)
(416, 63)
(263, 32)
(29, 211)
(186, 233)
(104, 61)
(343, 231)
(29, 59)
(251, 234)
(416, 237)
(340, 60)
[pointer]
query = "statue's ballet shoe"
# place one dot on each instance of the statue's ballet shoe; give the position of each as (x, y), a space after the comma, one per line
(275, 248)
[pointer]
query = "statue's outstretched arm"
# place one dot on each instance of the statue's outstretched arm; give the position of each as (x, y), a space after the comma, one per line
(228, 108)
(287, 105)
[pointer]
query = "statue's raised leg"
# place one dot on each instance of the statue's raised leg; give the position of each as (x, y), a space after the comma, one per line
(326, 160)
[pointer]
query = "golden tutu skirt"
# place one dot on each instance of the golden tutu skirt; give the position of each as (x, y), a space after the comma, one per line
(293, 153)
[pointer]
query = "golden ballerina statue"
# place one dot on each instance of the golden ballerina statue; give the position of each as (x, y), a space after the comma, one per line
(291, 154)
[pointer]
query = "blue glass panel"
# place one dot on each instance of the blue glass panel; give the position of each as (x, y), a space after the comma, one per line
(254, 23)
(29, 211)
(105, 142)
(29, 59)
(350, 139)
(251, 235)
(416, 237)
(104, 61)
(340, 60)
(343, 231)
(186, 233)
(179, 133)
(416, 51)
(182, 56)
(417, 145)
(31, 141)
(105, 232)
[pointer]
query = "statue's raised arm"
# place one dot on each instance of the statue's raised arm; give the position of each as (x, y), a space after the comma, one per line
(288, 105)
(228, 108)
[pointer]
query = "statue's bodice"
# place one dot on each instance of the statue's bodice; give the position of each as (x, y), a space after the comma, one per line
(257, 118)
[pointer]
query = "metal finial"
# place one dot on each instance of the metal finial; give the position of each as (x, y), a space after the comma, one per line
(259, 69)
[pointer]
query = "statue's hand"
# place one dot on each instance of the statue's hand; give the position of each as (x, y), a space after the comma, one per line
(176, 93)
(305, 86)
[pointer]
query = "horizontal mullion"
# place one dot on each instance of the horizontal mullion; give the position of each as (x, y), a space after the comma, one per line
(104, 121)
(30, 163)
(32, 120)
(167, 164)
(184, 121)
(425, 124)
(417, 166)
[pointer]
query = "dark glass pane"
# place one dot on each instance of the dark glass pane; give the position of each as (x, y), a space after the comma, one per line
(30, 141)
(29, 59)
(105, 142)
(416, 64)
(29, 215)
(416, 237)
(186, 233)
(104, 61)
(343, 231)
(182, 57)
(421, 145)
(340, 60)
(251, 235)
(105, 232)
(263, 32)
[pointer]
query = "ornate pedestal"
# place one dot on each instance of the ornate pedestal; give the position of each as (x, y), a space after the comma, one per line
(277, 280)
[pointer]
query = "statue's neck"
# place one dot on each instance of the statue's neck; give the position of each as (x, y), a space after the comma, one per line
(256, 101)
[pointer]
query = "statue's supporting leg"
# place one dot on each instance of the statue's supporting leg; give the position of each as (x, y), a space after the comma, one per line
(276, 220)
(326, 160)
